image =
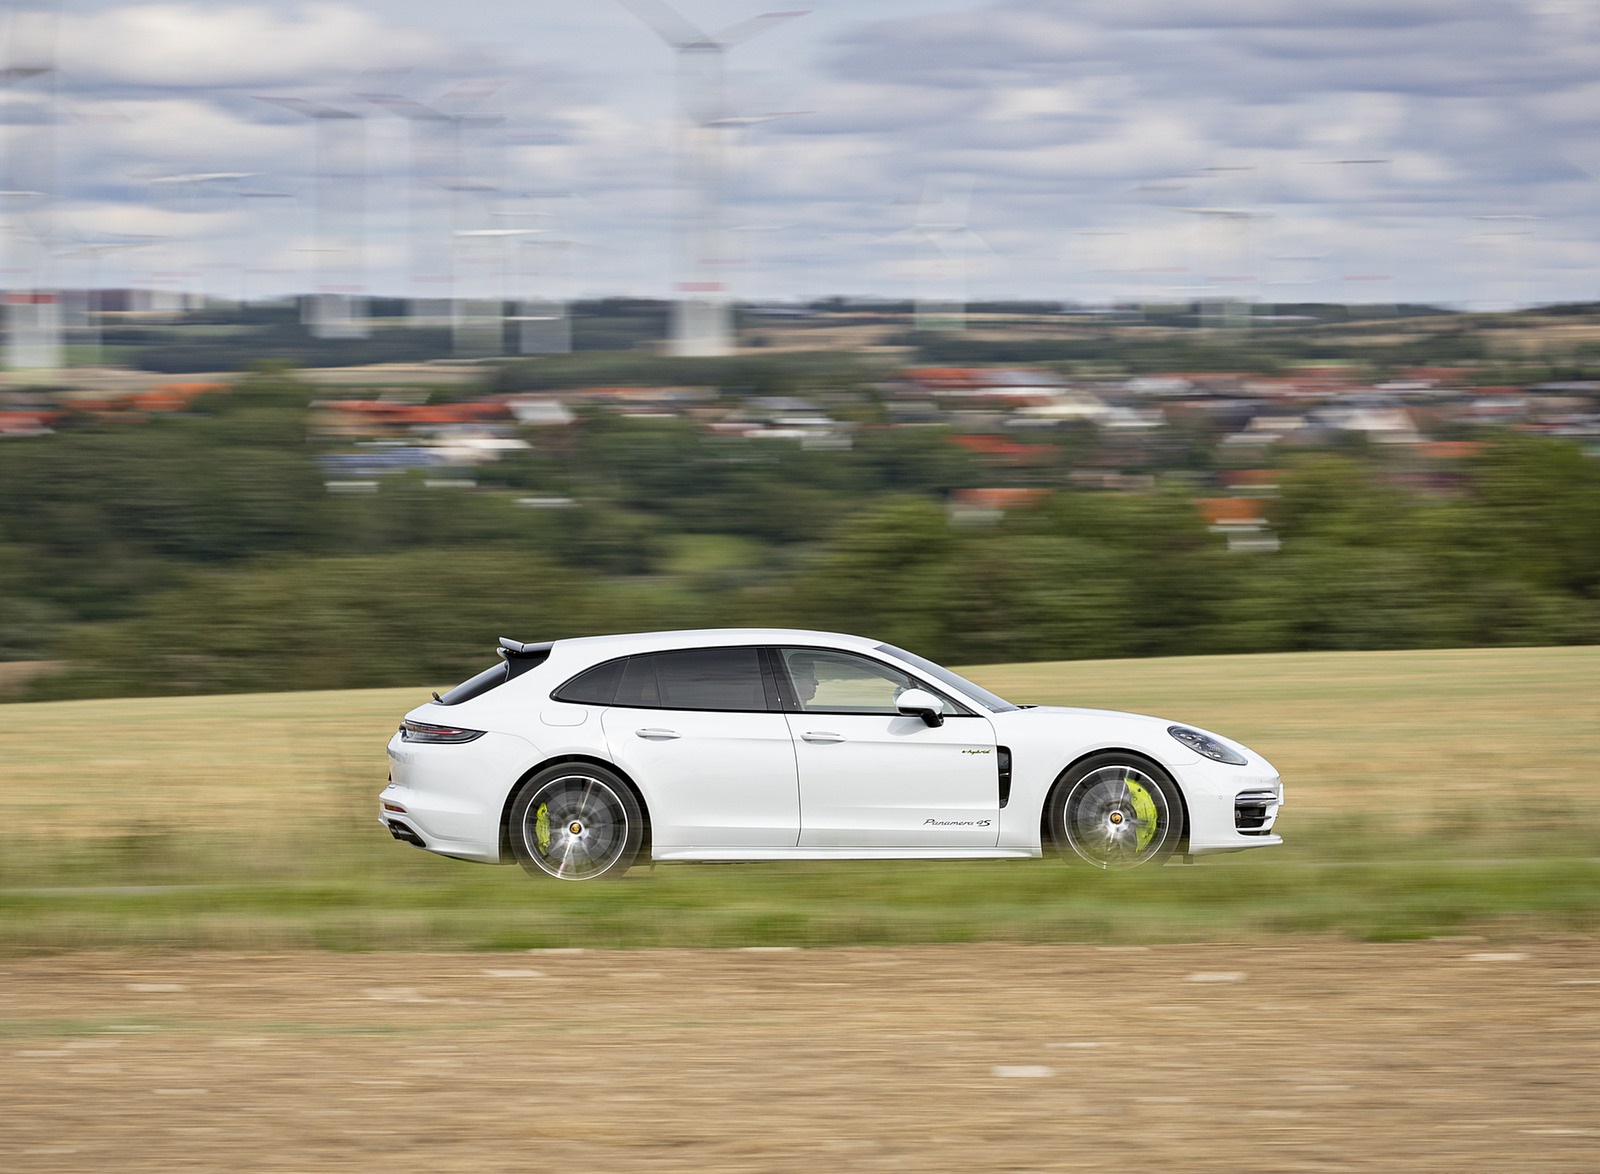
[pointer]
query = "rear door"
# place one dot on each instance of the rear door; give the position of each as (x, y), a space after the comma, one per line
(871, 777)
(698, 730)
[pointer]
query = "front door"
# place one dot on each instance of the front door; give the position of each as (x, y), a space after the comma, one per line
(871, 777)
(693, 729)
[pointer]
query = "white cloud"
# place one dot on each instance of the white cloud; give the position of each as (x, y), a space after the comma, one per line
(232, 46)
(1084, 128)
(163, 129)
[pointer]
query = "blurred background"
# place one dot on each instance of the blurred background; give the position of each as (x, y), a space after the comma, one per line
(341, 339)
(1232, 360)
(1124, 331)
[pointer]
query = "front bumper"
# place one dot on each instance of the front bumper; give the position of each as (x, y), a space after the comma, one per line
(1231, 808)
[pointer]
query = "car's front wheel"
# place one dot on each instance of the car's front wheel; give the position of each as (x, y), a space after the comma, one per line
(576, 821)
(1116, 811)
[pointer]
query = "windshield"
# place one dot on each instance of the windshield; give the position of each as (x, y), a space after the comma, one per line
(957, 682)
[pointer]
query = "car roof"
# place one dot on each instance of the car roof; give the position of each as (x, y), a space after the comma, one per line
(601, 647)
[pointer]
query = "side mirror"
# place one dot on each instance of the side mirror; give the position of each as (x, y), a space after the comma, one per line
(921, 703)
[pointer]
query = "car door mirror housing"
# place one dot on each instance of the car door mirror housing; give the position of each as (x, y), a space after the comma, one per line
(921, 703)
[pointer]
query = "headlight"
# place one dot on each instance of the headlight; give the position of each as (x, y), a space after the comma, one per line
(411, 731)
(1207, 745)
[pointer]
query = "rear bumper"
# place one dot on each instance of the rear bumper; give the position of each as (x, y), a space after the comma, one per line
(411, 826)
(409, 829)
(450, 797)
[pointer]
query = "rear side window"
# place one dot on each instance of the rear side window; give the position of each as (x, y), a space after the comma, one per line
(639, 683)
(596, 686)
(718, 679)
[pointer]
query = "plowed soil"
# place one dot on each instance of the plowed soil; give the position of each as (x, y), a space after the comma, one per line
(1312, 1055)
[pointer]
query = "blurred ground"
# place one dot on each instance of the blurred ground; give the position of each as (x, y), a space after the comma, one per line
(1430, 792)
(1305, 1055)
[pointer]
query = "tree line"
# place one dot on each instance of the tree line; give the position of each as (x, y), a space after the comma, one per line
(203, 553)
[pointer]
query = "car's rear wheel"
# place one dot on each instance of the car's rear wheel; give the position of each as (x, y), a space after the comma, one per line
(1116, 811)
(576, 821)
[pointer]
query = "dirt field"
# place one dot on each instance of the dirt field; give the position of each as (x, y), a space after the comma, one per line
(1312, 1055)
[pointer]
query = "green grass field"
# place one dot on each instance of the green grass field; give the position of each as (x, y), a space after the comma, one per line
(1429, 793)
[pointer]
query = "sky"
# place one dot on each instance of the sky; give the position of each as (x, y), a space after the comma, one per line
(1443, 151)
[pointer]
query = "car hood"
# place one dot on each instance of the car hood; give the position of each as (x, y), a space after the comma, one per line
(1046, 713)
(1135, 731)
(1082, 711)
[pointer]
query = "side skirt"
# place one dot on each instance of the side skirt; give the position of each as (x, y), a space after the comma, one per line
(666, 854)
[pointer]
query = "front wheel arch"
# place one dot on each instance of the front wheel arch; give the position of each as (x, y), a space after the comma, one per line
(1044, 807)
(509, 857)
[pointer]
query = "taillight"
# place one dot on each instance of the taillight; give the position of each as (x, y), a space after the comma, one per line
(411, 731)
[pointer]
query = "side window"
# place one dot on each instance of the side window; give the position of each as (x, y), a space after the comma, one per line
(596, 686)
(639, 683)
(724, 679)
(840, 682)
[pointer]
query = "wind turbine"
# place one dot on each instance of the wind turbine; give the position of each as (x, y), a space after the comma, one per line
(1100, 249)
(1235, 245)
(1351, 200)
(1158, 275)
(188, 195)
(702, 320)
(337, 307)
(438, 162)
(946, 244)
(86, 309)
(539, 271)
(1511, 243)
(33, 311)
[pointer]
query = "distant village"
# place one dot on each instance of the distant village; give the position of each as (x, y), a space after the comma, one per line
(1131, 433)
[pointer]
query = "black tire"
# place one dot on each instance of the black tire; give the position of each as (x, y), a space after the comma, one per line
(590, 827)
(1116, 811)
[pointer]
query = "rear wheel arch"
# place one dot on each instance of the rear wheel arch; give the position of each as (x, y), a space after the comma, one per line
(1064, 772)
(509, 857)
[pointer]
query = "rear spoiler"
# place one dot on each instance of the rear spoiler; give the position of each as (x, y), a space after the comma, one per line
(510, 649)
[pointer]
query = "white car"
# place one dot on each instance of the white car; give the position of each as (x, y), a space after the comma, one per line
(577, 757)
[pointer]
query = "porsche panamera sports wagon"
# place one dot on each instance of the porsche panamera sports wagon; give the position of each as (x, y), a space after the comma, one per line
(578, 757)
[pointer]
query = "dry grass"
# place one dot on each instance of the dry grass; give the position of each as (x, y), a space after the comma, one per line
(1407, 733)
(192, 763)
(1429, 793)
(1381, 733)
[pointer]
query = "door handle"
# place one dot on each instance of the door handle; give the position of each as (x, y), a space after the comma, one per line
(657, 734)
(821, 736)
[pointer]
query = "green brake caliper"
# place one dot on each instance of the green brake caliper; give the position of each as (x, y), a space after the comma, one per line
(541, 827)
(1144, 810)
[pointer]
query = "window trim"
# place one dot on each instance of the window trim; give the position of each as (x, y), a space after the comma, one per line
(776, 686)
(911, 658)
(768, 685)
(792, 701)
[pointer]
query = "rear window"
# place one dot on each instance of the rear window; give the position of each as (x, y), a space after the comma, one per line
(493, 677)
(495, 674)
